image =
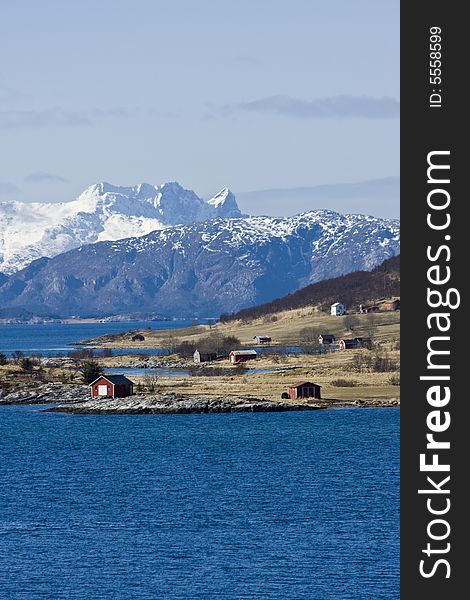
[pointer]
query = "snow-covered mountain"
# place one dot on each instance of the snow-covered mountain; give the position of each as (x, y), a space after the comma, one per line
(102, 212)
(205, 268)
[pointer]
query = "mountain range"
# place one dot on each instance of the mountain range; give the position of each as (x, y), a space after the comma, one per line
(201, 267)
(29, 231)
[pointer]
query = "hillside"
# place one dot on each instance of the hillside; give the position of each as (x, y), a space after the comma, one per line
(292, 319)
(202, 269)
(359, 287)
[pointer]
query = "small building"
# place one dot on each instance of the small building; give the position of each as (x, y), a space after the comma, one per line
(365, 309)
(337, 309)
(393, 305)
(200, 356)
(138, 338)
(326, 338)
(304, 389)
(348, 344)
(355, 343)
(113, 386)
(262, 339)
(240, 356)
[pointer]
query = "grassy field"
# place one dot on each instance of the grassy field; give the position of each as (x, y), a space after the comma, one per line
(323, 370)
(367, 384)
(284, 328)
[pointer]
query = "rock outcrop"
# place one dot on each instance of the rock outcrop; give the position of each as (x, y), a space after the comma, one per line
(178, 404)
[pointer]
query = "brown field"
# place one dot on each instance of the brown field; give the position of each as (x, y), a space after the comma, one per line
(322, 370)
(384, 327)
(286, 329)
(369, 386)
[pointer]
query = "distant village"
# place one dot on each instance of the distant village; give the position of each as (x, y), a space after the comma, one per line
(118, 386)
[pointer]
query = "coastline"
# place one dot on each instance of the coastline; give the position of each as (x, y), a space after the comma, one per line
(75, 399)
(173, 383)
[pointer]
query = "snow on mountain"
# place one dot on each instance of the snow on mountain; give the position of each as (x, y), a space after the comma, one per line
(102, 212)
(205, 268)
(225, 202)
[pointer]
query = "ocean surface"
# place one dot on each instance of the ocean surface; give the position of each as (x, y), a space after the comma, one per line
(274, 506)
(56, 339)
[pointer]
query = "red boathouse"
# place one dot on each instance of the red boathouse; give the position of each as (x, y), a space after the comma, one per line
(112, 386)
(240, 356)
(304, 389)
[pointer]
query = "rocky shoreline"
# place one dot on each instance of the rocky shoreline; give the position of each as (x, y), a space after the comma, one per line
(75, 399)
(125, 362)
(177, 404)
(50, 393)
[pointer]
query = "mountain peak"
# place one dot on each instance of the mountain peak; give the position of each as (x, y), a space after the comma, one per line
(103, 211)
(221, 197)
(225, 204)
(100, 188)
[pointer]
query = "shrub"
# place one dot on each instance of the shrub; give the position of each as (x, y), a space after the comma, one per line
(81, 354)
(215, 342)
(26, 364)
(350, 322)
(90, 371)
(309, 335)
(361, 362)
(377, 361)
(394, 379)
(3, 359)
(270, 319)
(169, 343)
(185, 349)
(152, 383)
(218, 371)
(382, 363)
(17, 356)
(343, 383)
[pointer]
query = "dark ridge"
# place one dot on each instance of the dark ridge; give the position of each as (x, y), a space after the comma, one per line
(360, 287)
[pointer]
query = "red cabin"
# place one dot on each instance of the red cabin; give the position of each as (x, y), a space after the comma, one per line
(113, 386)
(348, 344)
(304, 389)
(240, 356)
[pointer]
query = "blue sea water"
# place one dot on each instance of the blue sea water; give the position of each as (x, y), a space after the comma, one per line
(274, 506)
(56, 339)
(156, 372)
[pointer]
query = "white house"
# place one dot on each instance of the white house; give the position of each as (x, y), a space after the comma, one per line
(338, 309)
(262, 339)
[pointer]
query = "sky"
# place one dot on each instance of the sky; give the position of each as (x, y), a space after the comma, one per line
(252, 95)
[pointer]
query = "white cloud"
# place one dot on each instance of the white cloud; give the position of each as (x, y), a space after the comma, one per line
(366, 107)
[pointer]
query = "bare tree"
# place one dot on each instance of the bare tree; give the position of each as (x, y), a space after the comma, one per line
(350, 323)
(309, 335)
